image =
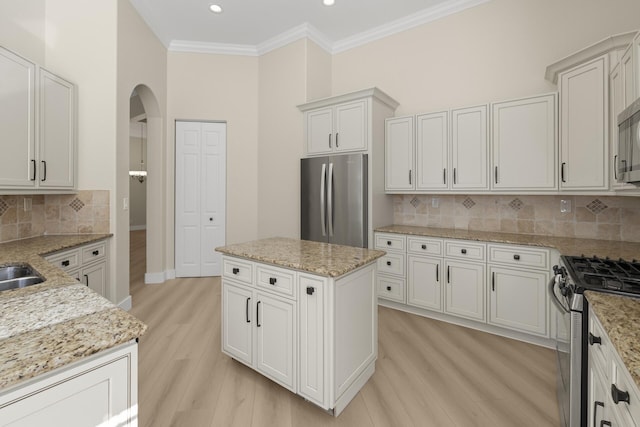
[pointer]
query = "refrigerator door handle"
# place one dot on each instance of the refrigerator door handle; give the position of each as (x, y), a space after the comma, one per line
(323, 178)
(330, 199)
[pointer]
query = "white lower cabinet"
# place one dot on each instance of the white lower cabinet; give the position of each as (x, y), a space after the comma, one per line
(518, 299)
(424, 276)
(319, 341)
(498, 288)
(98, 391)
(88, 264)
(464, 289)
(613, 396)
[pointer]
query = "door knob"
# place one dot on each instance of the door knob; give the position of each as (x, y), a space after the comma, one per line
(210, 219)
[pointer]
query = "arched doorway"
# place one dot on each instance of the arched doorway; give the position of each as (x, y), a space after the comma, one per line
(144, 108)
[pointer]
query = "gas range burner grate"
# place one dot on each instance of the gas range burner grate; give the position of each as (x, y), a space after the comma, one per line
(619, 276)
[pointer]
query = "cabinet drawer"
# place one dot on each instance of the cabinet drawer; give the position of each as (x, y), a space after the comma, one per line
(237, 270)
(94, 252)
(392, 263)
(513, 255)
(390, 242)
(67, 261)
(391, 288)
(276, 280)
(465, 250)
(621, 379)
(424, 246)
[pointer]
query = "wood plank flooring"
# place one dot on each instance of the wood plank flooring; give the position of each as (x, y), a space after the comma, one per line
(428, 373)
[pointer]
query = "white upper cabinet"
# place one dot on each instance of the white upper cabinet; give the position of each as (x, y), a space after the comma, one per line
(626, 74)
(399, 154)
(432, 151)
(38, 127)
(56, 132)
(320, 130)
(339, 128)
(17, 127)
(635, 47)
(469, 148)
(524, 144)
(584, 106)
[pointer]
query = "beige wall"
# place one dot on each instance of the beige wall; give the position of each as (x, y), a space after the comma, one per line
(22, 28)
(282, 86)
(224, 88)
(498, 50)
(318, 72)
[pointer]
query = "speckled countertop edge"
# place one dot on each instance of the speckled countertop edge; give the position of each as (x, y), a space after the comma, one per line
(620, 318)
(323, 259)
(42, 326)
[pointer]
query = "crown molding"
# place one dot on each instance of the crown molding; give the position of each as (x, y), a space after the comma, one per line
(406, 23)
(306, 30)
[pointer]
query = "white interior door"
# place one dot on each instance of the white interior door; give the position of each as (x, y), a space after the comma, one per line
(200, 197)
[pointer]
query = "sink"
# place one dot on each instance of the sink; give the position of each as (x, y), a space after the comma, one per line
(13, 276)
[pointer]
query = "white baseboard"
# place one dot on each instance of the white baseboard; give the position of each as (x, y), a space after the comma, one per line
(125, 304)
(137, 227)
(160, 277)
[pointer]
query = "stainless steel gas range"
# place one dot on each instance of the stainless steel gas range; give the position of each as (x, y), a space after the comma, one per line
(571, 278)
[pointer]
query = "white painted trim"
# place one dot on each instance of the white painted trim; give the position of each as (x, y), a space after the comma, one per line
(399, 25)
(160, 277)
(126, 303)
(138, 227)
(212, 48)
(373, 92)
(313, 34)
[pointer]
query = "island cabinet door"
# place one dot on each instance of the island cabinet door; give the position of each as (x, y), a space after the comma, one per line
(276, 339)
(238, 317)
(311, 383)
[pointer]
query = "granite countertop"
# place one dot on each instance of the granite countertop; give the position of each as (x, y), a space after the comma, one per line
(565, 245)
(323, 259)
(49, 325)
(620, 317)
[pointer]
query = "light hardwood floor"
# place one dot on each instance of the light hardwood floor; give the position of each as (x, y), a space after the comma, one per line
(428, 373)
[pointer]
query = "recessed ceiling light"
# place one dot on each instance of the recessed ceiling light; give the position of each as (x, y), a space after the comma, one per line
(328, 2)
(215, 8)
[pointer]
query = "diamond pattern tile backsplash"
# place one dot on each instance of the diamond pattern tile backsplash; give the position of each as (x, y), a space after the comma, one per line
(604, 217)
(415, 202)
(86, 211)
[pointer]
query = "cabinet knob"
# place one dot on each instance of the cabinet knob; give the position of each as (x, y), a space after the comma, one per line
(310, 290)
(388, 288)
(272, 280)
(594, 339)
(464, 251)
(388, 242)
(424, 247)
(65, 263)
(516, 257)
(235, 270)
(389, 263)
(618, 395)
(96, 252)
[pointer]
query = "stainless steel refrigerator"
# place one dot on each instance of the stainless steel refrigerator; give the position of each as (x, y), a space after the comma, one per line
(333, 197)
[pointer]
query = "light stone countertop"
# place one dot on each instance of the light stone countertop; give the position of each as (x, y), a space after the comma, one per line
(565, 245)
(323, 259)
(57, 322)
(620, 317)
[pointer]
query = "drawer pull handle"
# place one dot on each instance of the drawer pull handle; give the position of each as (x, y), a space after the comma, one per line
(96, 252)
(464, 251)
(389, 263)
(448, 274)
(594, 339)
(595, 411)
(235, 270)
(246, 310)
(516, 257)
(272, 280)
(493, 281)
(618, 395)
(310, 290)
(437, 272)
(388, 242)
(65, 263)
(258, 314)
(389, 288)
(86, 278)
(424, 247)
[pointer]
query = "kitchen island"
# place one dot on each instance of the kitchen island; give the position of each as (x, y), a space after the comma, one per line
(60, 337)
(303, 314)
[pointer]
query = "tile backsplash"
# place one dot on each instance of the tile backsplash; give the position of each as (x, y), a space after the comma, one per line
(23, 216)
(598, 217)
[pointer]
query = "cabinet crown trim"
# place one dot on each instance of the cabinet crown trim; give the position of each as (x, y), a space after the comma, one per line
(373, 92)
(609, 44)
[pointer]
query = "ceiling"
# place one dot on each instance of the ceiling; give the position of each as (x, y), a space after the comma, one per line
(252, 26)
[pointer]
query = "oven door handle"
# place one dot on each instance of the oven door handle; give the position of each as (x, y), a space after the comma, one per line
(554, 297)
